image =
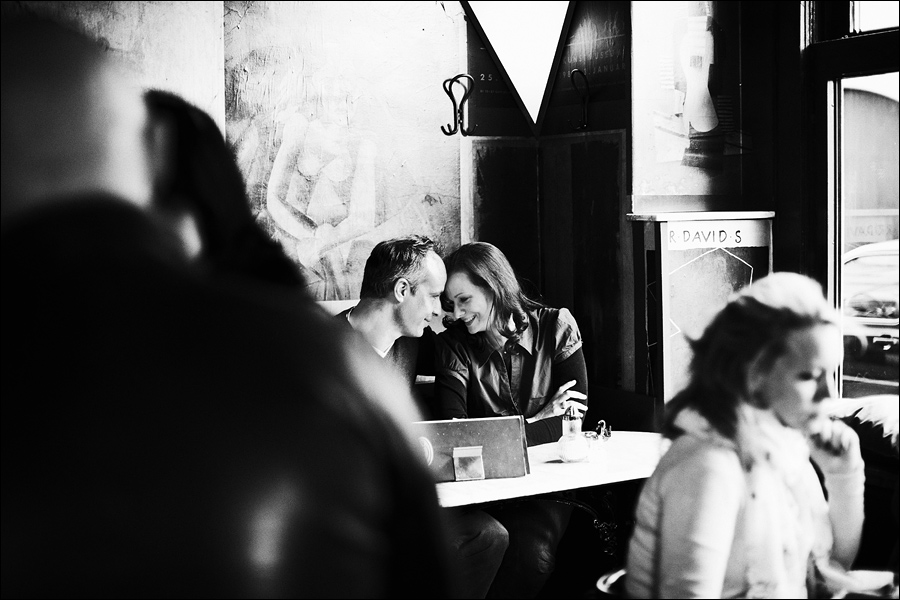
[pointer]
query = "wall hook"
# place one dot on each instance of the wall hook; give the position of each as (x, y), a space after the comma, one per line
(458, 124)
(585, 97)
(453, 127)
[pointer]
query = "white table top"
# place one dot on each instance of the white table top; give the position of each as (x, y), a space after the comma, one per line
(625, 456)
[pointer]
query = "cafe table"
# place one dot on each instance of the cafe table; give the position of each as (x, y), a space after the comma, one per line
(624, 456)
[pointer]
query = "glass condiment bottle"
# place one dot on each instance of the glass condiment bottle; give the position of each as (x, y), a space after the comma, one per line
(571, 422)
(573, 446)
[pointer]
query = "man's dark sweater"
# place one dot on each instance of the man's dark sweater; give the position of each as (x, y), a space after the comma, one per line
(411, 357)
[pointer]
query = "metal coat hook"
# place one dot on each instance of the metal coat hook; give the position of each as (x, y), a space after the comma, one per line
(458, 124)
(451, 128)
(585, 97)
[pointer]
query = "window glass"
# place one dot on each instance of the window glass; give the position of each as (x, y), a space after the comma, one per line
(868, 200)
(871, 16)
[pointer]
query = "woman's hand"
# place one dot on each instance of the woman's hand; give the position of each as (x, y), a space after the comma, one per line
(834, 446)
(560, 401)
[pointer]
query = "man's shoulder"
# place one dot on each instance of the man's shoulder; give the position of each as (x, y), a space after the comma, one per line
(426, 339)
(454, 330)
(406, 344)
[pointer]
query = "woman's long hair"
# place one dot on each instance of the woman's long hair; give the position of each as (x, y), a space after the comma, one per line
(198, 172)
(754, 325)
(489, 269)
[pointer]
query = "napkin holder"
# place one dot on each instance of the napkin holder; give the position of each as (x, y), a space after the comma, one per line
(467, 449)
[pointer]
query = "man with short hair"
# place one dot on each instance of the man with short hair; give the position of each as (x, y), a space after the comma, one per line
(399, 298)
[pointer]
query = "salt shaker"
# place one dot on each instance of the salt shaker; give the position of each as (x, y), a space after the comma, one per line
(573, 446)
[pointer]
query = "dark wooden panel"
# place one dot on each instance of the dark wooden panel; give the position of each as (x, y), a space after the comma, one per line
(557, 252)
(506, 203)
(598, 44)
(596, 214)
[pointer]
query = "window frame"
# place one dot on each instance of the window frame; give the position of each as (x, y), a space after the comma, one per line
(832, 51)
(843, 54)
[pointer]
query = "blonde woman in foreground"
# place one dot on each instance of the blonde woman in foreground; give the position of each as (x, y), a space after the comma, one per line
(735, 508)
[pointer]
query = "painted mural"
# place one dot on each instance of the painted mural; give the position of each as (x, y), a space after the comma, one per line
(334, 111)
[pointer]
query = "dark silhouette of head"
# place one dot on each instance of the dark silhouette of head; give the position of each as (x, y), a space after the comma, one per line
(72, 119)
(197, 174)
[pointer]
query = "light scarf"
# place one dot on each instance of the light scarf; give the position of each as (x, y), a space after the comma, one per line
(786, 516)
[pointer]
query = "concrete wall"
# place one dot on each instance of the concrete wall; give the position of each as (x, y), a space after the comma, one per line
(174, 46)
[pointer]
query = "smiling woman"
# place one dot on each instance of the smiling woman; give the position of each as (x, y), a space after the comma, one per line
(504, 354)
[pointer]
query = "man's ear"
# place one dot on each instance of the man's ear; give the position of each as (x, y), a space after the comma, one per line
(402, 289)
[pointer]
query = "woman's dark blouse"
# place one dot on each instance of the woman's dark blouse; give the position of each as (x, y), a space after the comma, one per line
(519, 378)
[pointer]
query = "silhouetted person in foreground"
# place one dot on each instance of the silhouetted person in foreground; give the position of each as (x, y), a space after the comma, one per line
(166, 433)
